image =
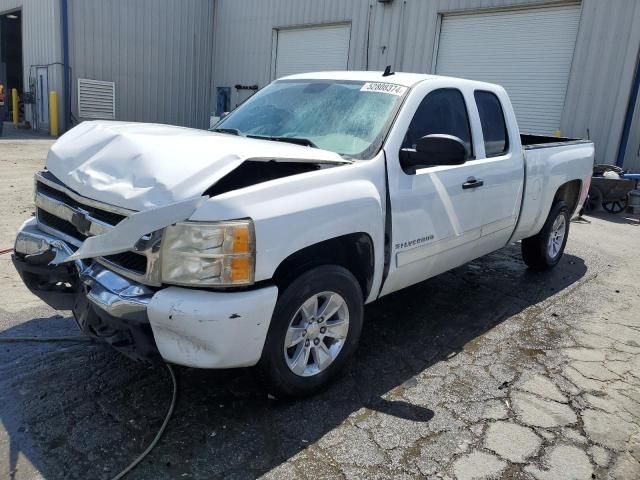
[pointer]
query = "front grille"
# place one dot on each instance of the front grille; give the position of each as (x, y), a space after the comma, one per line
(129, 261)
(102, 215)
(50, 220)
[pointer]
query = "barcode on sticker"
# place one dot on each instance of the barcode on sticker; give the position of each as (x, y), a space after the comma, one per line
(381, 87)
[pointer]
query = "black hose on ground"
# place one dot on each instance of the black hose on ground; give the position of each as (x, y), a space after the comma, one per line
(153, 443)
(167, 417)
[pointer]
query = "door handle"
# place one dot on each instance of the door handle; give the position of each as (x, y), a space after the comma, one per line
(472, 182)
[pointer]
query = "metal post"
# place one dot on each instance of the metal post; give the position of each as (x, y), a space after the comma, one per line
(633, 98)
(53, 113)
(14, 105)
(66, 123)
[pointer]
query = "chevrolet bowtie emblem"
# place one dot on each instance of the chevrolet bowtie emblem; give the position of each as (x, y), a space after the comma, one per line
(81, 222)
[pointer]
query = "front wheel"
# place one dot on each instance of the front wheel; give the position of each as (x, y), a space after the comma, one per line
(544, 250)
(314, 330)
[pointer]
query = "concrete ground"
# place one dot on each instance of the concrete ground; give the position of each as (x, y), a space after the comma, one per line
(10, 131)
(489, 371)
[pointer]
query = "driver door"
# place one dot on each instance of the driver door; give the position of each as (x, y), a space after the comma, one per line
(437, 211)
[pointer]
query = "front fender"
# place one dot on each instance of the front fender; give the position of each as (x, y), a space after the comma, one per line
(295, 212)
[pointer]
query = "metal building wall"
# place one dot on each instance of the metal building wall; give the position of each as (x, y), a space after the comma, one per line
(243, 34)
(602, 73)
(404, 34)
(41, 41)
(158, 53)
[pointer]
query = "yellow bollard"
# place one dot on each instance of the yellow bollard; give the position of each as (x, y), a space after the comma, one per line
(14, 105)
(53, 113)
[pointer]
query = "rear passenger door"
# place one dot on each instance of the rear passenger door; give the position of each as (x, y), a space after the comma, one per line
(503, 164)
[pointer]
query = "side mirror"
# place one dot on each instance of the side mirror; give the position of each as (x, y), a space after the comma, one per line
(432, 150)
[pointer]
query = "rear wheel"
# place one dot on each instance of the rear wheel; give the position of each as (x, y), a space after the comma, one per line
(314, 330)
(544, 250)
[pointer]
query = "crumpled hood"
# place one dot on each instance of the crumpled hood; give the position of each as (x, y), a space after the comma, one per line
(139, 165)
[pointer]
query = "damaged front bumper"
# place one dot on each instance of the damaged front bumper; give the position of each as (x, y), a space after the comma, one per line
(196, 328)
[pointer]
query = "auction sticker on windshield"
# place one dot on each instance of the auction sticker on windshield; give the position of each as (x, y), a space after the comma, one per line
(380, 87)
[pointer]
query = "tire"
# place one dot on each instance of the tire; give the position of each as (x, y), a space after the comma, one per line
(537, 251)
(616, 206)
(291, 322)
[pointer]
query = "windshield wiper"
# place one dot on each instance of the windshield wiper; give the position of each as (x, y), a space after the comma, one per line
(297, 141)
(232, 131)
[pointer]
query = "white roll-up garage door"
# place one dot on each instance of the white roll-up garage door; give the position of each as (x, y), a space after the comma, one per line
(528, 52)
(313, 49)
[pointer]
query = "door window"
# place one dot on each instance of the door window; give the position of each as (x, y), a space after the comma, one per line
(494, 128)
(442, 111)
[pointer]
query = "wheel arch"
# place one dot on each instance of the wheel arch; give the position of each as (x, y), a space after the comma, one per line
(569, 192)
(354, 251)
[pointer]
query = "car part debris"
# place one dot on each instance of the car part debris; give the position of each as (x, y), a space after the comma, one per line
(128, 232)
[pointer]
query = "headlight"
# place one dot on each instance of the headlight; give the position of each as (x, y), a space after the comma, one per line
(206, 254)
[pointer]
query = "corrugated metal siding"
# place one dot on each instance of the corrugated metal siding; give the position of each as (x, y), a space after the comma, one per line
(504, 47)
(158, 53)
(631, 151)
(404, 34)
(41, 41)
(243, 34)
(602, 74)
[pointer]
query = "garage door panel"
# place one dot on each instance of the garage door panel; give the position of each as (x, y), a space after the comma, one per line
(528, 52)
(313, 49)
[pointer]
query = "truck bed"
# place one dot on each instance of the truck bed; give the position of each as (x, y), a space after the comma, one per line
(550, 162)
(530, 141)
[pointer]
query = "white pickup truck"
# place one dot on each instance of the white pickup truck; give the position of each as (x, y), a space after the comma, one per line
(258, 243)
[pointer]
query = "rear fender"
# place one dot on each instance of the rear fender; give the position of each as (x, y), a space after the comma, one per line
(546, 171)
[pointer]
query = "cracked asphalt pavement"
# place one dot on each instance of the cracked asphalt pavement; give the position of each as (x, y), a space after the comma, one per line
(488, 371)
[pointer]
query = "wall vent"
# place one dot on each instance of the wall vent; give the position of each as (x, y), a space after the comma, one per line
(96, 99)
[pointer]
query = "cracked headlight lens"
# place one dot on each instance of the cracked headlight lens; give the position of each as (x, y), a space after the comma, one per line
(209, 254)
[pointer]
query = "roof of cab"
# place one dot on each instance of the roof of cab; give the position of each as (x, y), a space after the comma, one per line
(399, 78)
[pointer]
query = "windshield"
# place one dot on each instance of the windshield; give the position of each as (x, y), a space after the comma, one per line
(349, 118)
